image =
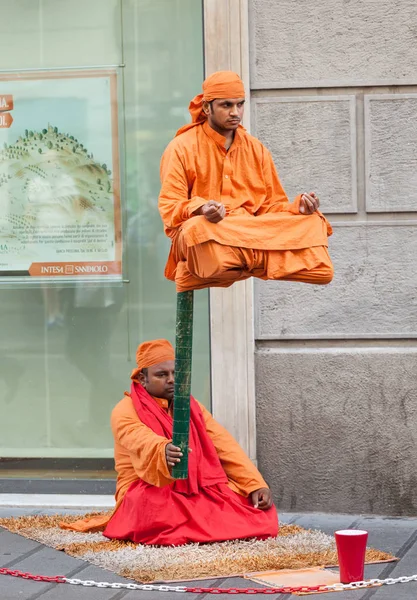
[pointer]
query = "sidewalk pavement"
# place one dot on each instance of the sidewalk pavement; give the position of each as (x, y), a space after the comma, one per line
(395, 535)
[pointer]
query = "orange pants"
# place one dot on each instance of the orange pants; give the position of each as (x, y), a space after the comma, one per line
(211, 264)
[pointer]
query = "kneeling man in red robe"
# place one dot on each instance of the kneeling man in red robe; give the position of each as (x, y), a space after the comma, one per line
(224, 497)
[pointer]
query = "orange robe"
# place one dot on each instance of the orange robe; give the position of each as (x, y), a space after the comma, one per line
(140, 454)
(262, 235)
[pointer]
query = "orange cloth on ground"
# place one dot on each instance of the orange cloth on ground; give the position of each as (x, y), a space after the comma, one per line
(140, 454)
(196, 168)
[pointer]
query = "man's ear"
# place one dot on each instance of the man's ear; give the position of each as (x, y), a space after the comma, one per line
(142, 379)
(206, 107)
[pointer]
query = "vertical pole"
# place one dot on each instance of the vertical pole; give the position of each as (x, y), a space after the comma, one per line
(182, 390)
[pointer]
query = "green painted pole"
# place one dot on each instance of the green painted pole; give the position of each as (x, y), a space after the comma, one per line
(182, 389)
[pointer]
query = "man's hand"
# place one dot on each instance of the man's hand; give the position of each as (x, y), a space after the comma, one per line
(173, 455)
(309, 203)
(213, 211)
(262, 498)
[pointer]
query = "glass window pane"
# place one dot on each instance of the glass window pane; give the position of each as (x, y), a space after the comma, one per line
(67, 350)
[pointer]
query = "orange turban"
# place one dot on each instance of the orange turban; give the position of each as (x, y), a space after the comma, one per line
(152, 353)
(222, 84)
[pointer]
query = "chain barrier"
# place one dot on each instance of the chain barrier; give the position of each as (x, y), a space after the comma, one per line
(339, 587)
(268, 590)
(336, 587)
(22, 575)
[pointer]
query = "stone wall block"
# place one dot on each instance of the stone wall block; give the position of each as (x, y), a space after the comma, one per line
(332, 43)
(337, 430)
(373, 293)
(391, 150)
(313, 143)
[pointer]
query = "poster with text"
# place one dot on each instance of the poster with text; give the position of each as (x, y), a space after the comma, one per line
(60, 213)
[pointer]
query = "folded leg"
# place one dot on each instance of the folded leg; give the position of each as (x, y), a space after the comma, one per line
(309, 265)
(209, 265)
(212, 264)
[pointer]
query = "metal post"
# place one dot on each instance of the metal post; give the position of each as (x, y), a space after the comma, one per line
(182, 390)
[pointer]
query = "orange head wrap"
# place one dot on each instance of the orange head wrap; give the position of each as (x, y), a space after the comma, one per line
(152, 353)
(222, 84)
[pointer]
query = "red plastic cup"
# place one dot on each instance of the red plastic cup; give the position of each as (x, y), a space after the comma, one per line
(351, 548)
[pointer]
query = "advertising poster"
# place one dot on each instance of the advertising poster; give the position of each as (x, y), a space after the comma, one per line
(60, 213)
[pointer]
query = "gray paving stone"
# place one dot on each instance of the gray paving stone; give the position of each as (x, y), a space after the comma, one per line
(406, 591)
(326, 523)
(288, 518)
(388, 535)
(6, 511)
(18, 553)
(10, 511)
(17, 589)
(13, 546)
(405, 567)
(60, 511)
(12, 588)
(408, 564)
(50, 562)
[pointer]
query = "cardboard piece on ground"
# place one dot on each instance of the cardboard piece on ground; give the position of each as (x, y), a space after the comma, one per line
(295, 577)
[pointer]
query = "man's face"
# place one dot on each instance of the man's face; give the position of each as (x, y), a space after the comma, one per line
(159, 381)
(226, 114)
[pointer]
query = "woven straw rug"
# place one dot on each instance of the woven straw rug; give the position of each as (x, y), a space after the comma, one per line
(294, 548)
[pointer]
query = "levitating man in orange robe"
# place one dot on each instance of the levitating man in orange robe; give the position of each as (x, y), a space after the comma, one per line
(224, 496)
(223, 206)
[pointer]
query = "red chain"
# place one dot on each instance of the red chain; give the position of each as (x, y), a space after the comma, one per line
(57, 579)
(268, 590)
(193, 590)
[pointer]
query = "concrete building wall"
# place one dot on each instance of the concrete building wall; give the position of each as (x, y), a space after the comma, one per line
(334, 97)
